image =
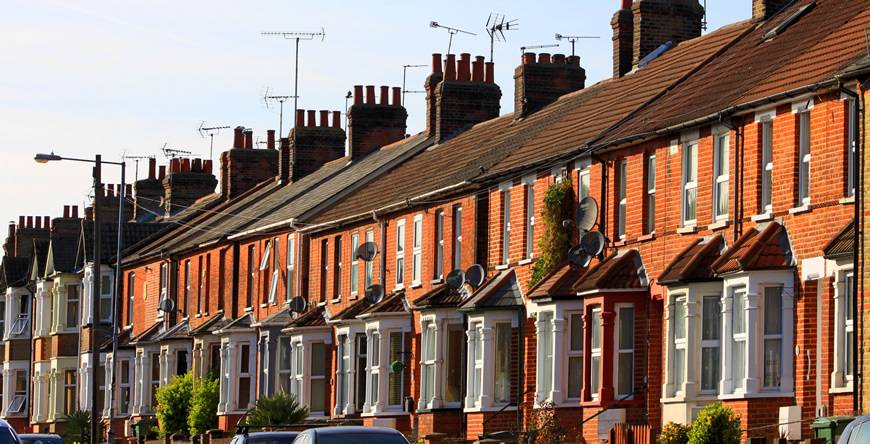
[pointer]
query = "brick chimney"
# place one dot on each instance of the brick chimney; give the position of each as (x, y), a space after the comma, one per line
(21, 238)
(311, 145)
(657, 22)
(462, 95)
(185, 183)
(372, 125)
(109, 203)
(148, 194)
(540, 81)
(69, 225)
(623, 39)
(765, 9)
(243, 167)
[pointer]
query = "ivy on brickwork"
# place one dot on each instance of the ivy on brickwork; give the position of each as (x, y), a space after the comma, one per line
(554, 244)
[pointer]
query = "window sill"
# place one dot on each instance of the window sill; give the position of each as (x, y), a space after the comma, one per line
(197, 316)
(264, 305)
(619, 243)
(353, 295)
(688, 229)
(647, 237)
(850, 200)
(762, 217)
(731, 396)
(249, 309)
(841, 390)
(321, 304)
(509, 408)
(502, 267)
(437, 281)
(526, 261)
(798, 210)
(386, 413)
(335, 301)
(718, 225)
(416, 285)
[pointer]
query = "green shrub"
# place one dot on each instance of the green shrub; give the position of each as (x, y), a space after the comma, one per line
(173, 405)
(716, 424)
(280, 409)
(78, 427)
(554, 244)
(674, 433)
(203, 405)
(544, 427)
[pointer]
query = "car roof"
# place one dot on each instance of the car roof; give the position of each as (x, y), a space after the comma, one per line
(38, 435)
(354, 429)
(282, 434)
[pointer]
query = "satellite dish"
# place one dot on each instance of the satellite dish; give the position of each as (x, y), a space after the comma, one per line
(475, 275)
(367, 251)
(374, 294)
(587, 213)
(166, 305)
(298, 304)
(464, 292)
(455, 279)
(578, 257)
(592, 242)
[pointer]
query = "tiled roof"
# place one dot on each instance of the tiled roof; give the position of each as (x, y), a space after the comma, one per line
(394, 303)
(14, 271)
(148, 335)
(213, 324)
(768, 249)
(501, 291)
(40, 254)
(311, 318)
(278, 319)
(123, 341)
(439, 296)
(134, 233)
(241, 323)
(694, 262)
(180, 331)
(351, 312)
(843, 244)
(62, 255)
(819, 45)
(623, 271)
(558, 284)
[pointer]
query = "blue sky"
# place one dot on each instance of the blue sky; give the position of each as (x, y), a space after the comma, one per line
(110, 77)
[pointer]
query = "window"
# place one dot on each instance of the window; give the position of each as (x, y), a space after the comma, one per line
(690, 182)
(69, 392)
(124, 387)
(400, 254)
(850, 148)
(19, 325)
(106, 291)
(164, 281)
(503, 347)
(396, 379)
(354, 264)
(530, 219)
(375, 367)
(621, 198)
(457, 237)
(180, 362)
(370, 265)
(131, 292)
(342, 388)
(848, 328)
(361, 353)
(453, 363)
(417, 258)
(427, 363)
(207, 301)
(324, 267)
(286, 372)
(575, 355)
(583, 184)
(506, 226)
(273, 283)
(318, 395)
(186, 291)
(337, 268)
(625, 350)
(290, 281)
(720, 176)
(249, 290)
(222, 271)
(651, 193)
(200, 288)
(265, 263)
(680, 340)
(244, 394)
(545, 355)
(738, 332)
(766, 166)
(476, 379)
(19, 398)
(595, 352)
(804, 158)
(439, 245)
(154, 381)
(72, 305)
(711, 332)
(772, 337)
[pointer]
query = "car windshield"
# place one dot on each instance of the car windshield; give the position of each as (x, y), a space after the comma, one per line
(42, 440)
(271, 440)
(361, 438)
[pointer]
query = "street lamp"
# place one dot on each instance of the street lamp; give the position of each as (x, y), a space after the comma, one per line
(95, 289)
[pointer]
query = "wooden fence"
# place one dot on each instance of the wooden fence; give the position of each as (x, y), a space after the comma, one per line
(632, 434)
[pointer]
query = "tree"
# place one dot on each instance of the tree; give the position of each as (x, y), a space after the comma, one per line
(203, 405)
(554, 244)
(277, 410)
(173, 405)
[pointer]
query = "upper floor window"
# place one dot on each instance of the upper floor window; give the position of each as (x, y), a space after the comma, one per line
(131, 292)
(720, 176)
(186, 291)
(290, 281)
(265, 264)
(621, 198)
(400, 254)
(850, 146)
(530, 218)
(583, 184)
(369, 265)
(457, 237)
(106, 291)
(803, 197)
(354, 264)
(690, 182)
(439, 245)
(337, 271)
(766, 166)
(417, 252)
(207, 301)
(73, 300)
(249, 288)
(324, 267)
(164, 281)
(651, 193)
(506, 226)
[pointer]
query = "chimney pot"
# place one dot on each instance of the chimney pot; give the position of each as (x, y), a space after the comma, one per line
(109, 191)
(312, 119)
(185, 163)
(324, 118)
(46, 222)
(175, 165)
(450, 67)
(370, 94)
(558, 59)
(238, 137)
(397, 96)
(270, 139)
(436, 63)
(626, 4)
(249, 139)
(75, 211)
(66, 211)
(489, 76)
(300, 118)
(38, 222)
(477, 69)
(152, 166)
(336, 119)
(528, 58)
(385, 95)
(357, 94)
(128, 190)
(544, 57)
(21, 223)
(207, 166)
(162, 171)
(464, 69)
(29, 221)
(196, 166)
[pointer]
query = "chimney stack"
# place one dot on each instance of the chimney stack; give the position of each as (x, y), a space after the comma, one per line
(244, 168)
(372, 125)
(765, 9)
(149, 193)
(459, 99)
(185, 185)
(657, 22)
(310, 146)
(270, 139)
(238, 137)
(623, 39)
(541, 82)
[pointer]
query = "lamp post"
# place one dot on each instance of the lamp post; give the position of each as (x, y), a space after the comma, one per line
(95, 289)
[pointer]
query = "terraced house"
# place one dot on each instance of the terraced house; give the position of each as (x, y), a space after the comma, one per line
(710, 193)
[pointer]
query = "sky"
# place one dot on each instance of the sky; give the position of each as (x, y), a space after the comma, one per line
(126, 78)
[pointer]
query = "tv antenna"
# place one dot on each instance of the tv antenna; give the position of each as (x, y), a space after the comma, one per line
(136, 159)
(280, 99)
(404, 76)
(496, 25)
(209, 131)
(524, 48)
(450, 30)
(289, 35)
(172, 153)
(573, 39)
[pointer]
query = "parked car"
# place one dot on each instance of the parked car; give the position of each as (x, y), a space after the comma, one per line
(40, 438)
(350, 435)
(856, 432)
(8, 434)
(262, 437)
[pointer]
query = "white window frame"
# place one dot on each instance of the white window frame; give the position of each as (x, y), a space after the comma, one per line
(595, 329)
(689, 183)
(506, 226)
(545, 354)
(457, 237)
(290, 281)
(273, 285)
(438, 272)
(105, 299)
(354, 264)
(620, 353)
(131, 296)
(583, 184)
(417, 252)
(767, 166)
(475, 364)
(622, 198)
(711, 344)
(773, 336)
(125, 385)
(721, 174)
(850, 147)
(842, 377)
(388, 347)
(804, 157)
(739, 336)
(369, 265)
(338, 258)
(164, 286)
(574, 354)
(530, 217)
(71, 324)
(400, 254)
(428, 345)
(651, 173)
(680, 344)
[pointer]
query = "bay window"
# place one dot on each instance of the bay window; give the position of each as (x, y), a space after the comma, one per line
(711, 330)
(690, 183)
(243, 399)
(452, 365)
(69, 392)
(475, 363)
(679, 345)
(738, 332)
(396, 379)
(342, 377)
(375, 368)
(286, 375)
(575, 355)
(427, 364)
(544, 356)
(125, 378)
(844, 320)
(595, 351)
(502, 391)
(317, 389)
(772, 337)
(625, 350)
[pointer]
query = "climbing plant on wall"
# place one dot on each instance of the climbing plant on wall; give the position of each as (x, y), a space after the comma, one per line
(553, 246)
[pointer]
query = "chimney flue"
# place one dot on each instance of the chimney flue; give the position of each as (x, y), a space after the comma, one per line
(477, 69)
(370, 94)
(336, 119)
(312, 118)
(450, 67)
(436, 63)
(464, 68)
(29, 222)
(270, 139)
(357, 94)
(46, 222)
(249, 139)
(489, 75)
(66, 211)
(300, 118)
(21, 222)
(385, 95)
(75, 211)
(162, 172)
(238, 137)
(397, 96)
(152, 167)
